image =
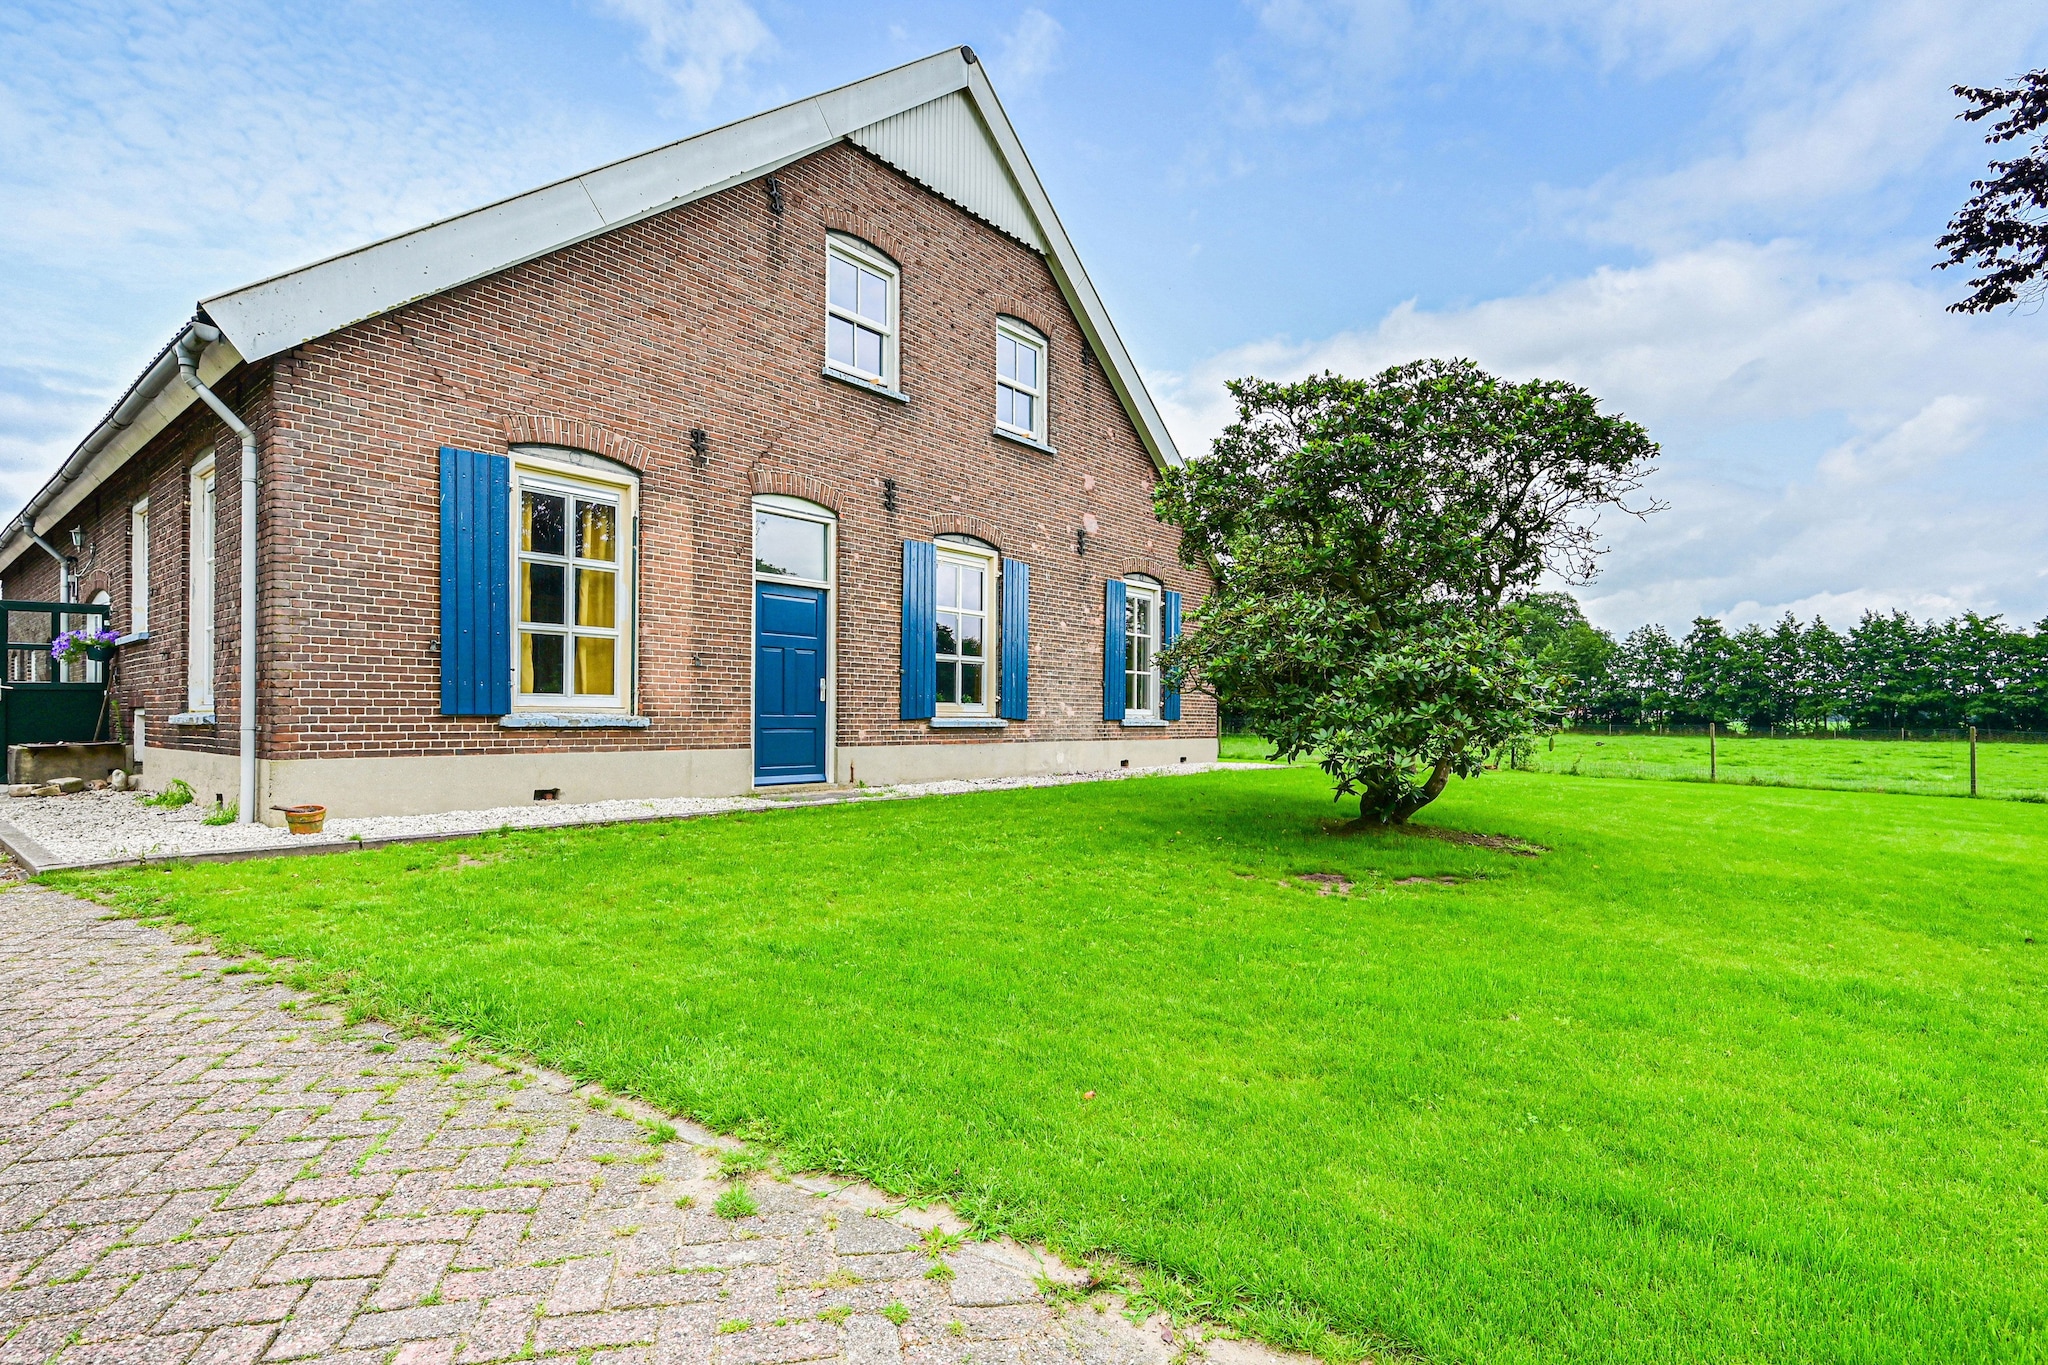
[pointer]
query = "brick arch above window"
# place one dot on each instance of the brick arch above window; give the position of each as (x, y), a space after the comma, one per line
(868, 234)
(953, 525)
(790, 484)
(1147, 566)
(543, 429)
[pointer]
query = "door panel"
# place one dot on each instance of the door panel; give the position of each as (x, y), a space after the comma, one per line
(789, 669)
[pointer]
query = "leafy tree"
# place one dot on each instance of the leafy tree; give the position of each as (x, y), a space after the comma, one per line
(1783, 656)
(1649, 669)
(1575, 654)
(1747, 690)
(1365, 536)
(2002, 229)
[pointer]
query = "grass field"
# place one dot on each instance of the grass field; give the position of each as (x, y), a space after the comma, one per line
(1731, 1074)
(2004, 771)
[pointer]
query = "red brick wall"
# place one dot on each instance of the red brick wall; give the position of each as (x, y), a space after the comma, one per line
(151, 675)
(712, 316)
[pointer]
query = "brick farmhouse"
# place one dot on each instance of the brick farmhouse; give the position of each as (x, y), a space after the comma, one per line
(800, 451)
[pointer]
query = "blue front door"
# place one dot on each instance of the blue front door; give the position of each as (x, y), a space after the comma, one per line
(789, 684)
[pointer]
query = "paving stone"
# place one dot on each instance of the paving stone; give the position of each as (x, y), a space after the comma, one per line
(873, 1341)
(981, 1283)
(393, 1231)
(409, 1324)
(320, 1319)
(236, 1307)
(327, 1265)
(861, 1235)
(234, 1346)
(501, 1329)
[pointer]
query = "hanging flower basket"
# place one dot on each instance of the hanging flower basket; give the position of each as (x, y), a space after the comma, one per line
(84, 643)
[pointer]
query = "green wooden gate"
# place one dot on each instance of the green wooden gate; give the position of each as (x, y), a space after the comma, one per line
(36, 705)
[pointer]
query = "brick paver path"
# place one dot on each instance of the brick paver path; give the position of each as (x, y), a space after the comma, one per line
(196, 1167)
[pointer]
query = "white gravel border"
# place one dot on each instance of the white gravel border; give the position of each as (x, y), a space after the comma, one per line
(108, 827)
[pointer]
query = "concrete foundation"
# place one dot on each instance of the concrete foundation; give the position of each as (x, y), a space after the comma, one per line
(431, 783)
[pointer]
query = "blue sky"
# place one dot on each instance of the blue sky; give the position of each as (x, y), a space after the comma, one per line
(1717, 216)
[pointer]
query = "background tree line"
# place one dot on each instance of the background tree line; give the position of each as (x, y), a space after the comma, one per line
(1887, 672)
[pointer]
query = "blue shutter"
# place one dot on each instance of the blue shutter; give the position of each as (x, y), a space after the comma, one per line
(920, 626)
(1015, 702)
(1169, 631)
(476, 583)
(1113, 651)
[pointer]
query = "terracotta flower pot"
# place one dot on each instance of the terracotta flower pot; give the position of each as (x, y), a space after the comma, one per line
(305, 819)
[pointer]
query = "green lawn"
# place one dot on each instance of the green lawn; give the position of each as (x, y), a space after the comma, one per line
(1733, 1073)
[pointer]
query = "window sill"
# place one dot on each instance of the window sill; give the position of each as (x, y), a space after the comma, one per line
(1145, 724)
(559, 720)
(969, 723)
(1021, 439)
(134, 638)
(866, 385)
(193, 718)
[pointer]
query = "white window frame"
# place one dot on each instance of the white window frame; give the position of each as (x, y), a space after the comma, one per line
(201, 571)
(569, 474)
(970, 553)
(1024, 335)
(799, 510)
(1144, 590)
(138, 568)
(863, 257)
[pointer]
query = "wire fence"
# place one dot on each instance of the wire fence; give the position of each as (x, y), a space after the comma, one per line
(1895, 735)
(2009, 766)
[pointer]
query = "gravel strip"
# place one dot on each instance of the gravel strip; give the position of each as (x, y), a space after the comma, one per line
(100, 826)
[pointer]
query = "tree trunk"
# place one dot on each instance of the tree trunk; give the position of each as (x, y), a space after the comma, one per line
(1396, 809)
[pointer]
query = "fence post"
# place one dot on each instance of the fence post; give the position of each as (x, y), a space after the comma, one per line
(1713, 765)
(1973, 760)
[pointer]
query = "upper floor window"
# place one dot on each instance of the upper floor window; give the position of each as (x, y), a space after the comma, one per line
(860, 312)
(138, 568)
(1020, 380)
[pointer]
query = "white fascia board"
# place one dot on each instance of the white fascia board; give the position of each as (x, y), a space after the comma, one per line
(1073, 280)
(170, 402)
(285, 310)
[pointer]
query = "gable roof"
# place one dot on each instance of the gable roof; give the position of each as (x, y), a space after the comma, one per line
(937, 120)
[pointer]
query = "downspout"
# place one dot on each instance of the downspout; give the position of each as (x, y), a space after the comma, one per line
(64, 592)
(190, 345)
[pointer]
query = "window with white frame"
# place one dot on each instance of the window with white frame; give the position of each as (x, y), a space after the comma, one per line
(860, 312)
(792, 540)
(1141, 649)
(574, 591)
(138, 568)
(966, 612)
(199, 635)
(1020, 380)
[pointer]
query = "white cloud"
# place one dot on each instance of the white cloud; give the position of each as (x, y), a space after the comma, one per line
(1948, 426)
(1842, 112)
(153, 152)
(1814, 418)
(1031, 50)
(699, 45)
(1723, 334)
